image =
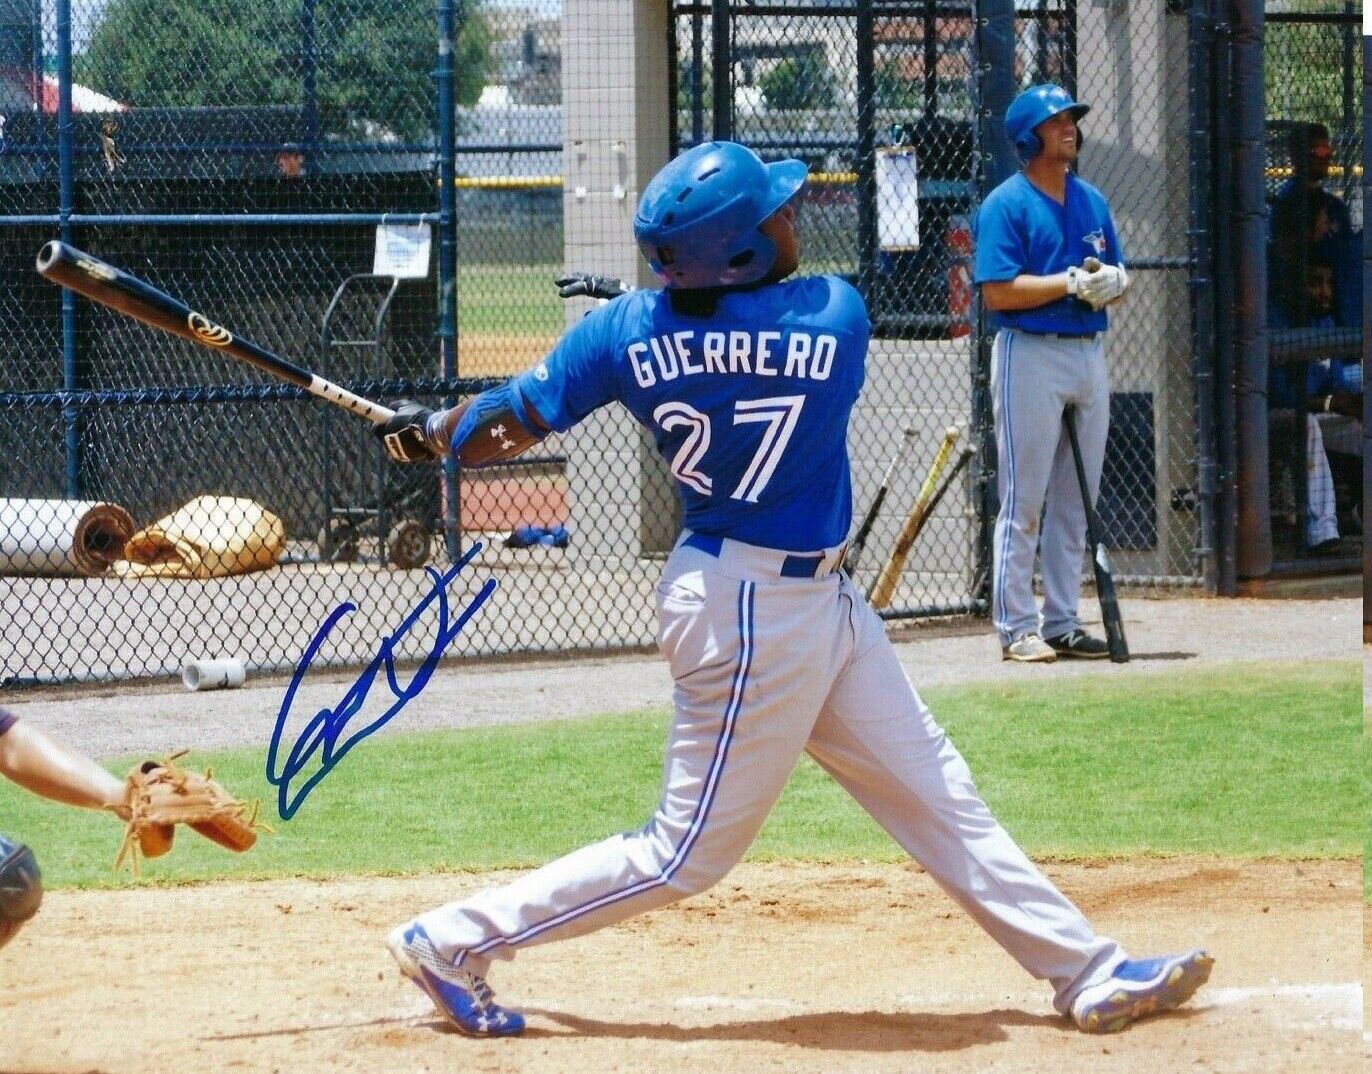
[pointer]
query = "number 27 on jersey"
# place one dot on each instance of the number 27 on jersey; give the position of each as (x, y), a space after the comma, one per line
(779, 414)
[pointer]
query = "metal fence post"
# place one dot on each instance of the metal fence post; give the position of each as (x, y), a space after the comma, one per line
(310, 79)
(447, 251)
(721, 70)
(66, 205)
(1200, 108)
(1250, 277)
(866, 149)
(697, 81)
(993, 68)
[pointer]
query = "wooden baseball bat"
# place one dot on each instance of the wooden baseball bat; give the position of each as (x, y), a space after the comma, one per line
(885, 585)
(127, 294)
(859, 541)
(1105, 583)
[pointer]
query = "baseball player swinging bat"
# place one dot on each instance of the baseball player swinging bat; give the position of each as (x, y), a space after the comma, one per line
(880, 594)
(117, 289)
(1105, 584)
(859, 541)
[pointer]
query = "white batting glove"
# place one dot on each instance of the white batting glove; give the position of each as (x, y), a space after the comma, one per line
(1075, 277)
(1102, 285)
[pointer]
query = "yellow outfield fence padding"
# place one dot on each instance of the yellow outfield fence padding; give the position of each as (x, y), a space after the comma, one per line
(554, 182)
(507, 182)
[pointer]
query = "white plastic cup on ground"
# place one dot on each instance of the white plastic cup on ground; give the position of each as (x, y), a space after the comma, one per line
(212, 674)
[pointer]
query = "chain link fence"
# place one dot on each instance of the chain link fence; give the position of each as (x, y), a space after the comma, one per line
(882, 115)
(882, 100)
(1314, 189)
(282, 166)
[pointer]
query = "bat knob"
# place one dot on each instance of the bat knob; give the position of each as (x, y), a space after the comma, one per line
(48, 254)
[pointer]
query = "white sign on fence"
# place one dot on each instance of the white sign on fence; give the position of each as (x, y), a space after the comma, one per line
(897, 199)
(402, 250)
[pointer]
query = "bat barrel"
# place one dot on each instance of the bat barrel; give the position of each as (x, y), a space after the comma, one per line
(127, 294)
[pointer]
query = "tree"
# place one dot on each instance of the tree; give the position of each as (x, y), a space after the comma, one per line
(802, 81)
(893, 90)
(374, 58)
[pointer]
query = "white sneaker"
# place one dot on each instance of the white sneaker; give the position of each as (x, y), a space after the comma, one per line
(1029, 649)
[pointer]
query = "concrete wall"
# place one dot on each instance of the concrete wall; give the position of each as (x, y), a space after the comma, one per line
(615, 98)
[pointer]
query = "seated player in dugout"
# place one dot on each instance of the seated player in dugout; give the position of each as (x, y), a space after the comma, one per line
(1301, 295)
(746, 376)
(1307, 219)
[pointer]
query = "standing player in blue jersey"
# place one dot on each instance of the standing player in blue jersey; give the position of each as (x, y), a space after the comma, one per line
(1048, 263)
(746, 379)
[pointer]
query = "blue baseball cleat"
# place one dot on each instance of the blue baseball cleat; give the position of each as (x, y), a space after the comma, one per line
(1140, 987)
(463, 997)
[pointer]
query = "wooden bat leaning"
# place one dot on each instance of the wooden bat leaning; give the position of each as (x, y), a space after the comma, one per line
(859, 541)
(127, 294)
(885, 585)
(963, 456)
(1105, 583)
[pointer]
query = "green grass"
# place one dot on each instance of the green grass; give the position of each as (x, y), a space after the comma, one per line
(509, 300)
(1245, 760)
(1367, 813)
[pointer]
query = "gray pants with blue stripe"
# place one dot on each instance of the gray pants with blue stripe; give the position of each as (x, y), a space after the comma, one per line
(1033, 378)
(766, 667)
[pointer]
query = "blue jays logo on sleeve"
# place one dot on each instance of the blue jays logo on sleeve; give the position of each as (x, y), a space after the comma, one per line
(1095, 240)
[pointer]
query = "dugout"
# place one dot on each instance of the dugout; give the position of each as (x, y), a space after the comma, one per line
(225, 208)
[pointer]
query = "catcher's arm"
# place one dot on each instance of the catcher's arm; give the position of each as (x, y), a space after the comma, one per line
(41, 764)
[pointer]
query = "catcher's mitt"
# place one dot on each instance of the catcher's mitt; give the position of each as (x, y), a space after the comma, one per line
(161, 795)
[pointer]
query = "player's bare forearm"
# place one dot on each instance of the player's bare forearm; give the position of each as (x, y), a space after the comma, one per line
(40, 764)
(1024, 292)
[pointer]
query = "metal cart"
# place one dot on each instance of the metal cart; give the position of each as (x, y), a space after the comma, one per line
(397, 508)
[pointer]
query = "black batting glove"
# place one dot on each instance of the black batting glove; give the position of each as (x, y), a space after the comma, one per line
(576, 284)
(403, 436)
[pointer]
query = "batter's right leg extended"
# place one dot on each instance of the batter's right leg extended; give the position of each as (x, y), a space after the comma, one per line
(877, 738)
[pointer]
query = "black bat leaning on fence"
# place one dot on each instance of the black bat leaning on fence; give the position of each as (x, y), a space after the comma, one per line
(1105, 583)
(127, 294)
(859, 541)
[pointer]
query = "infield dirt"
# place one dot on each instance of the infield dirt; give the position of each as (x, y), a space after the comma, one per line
(782, 968)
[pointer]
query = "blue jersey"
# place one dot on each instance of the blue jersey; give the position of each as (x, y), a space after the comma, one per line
(749, 405)
(1021, 230)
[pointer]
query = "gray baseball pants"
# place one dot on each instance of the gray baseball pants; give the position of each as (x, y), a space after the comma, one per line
(1033, 377)
(766, 667)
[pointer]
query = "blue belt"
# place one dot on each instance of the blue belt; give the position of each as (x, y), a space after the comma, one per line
(791, 567)
(1061, 335)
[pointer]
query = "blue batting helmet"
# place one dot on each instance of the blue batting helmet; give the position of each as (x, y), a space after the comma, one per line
(697, 221)
(1032, 107)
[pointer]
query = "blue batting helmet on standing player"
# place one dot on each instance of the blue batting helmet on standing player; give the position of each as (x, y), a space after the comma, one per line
(697, 221)
(1032, 107)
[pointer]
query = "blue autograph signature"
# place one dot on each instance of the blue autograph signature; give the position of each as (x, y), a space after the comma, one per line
(323, 731)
